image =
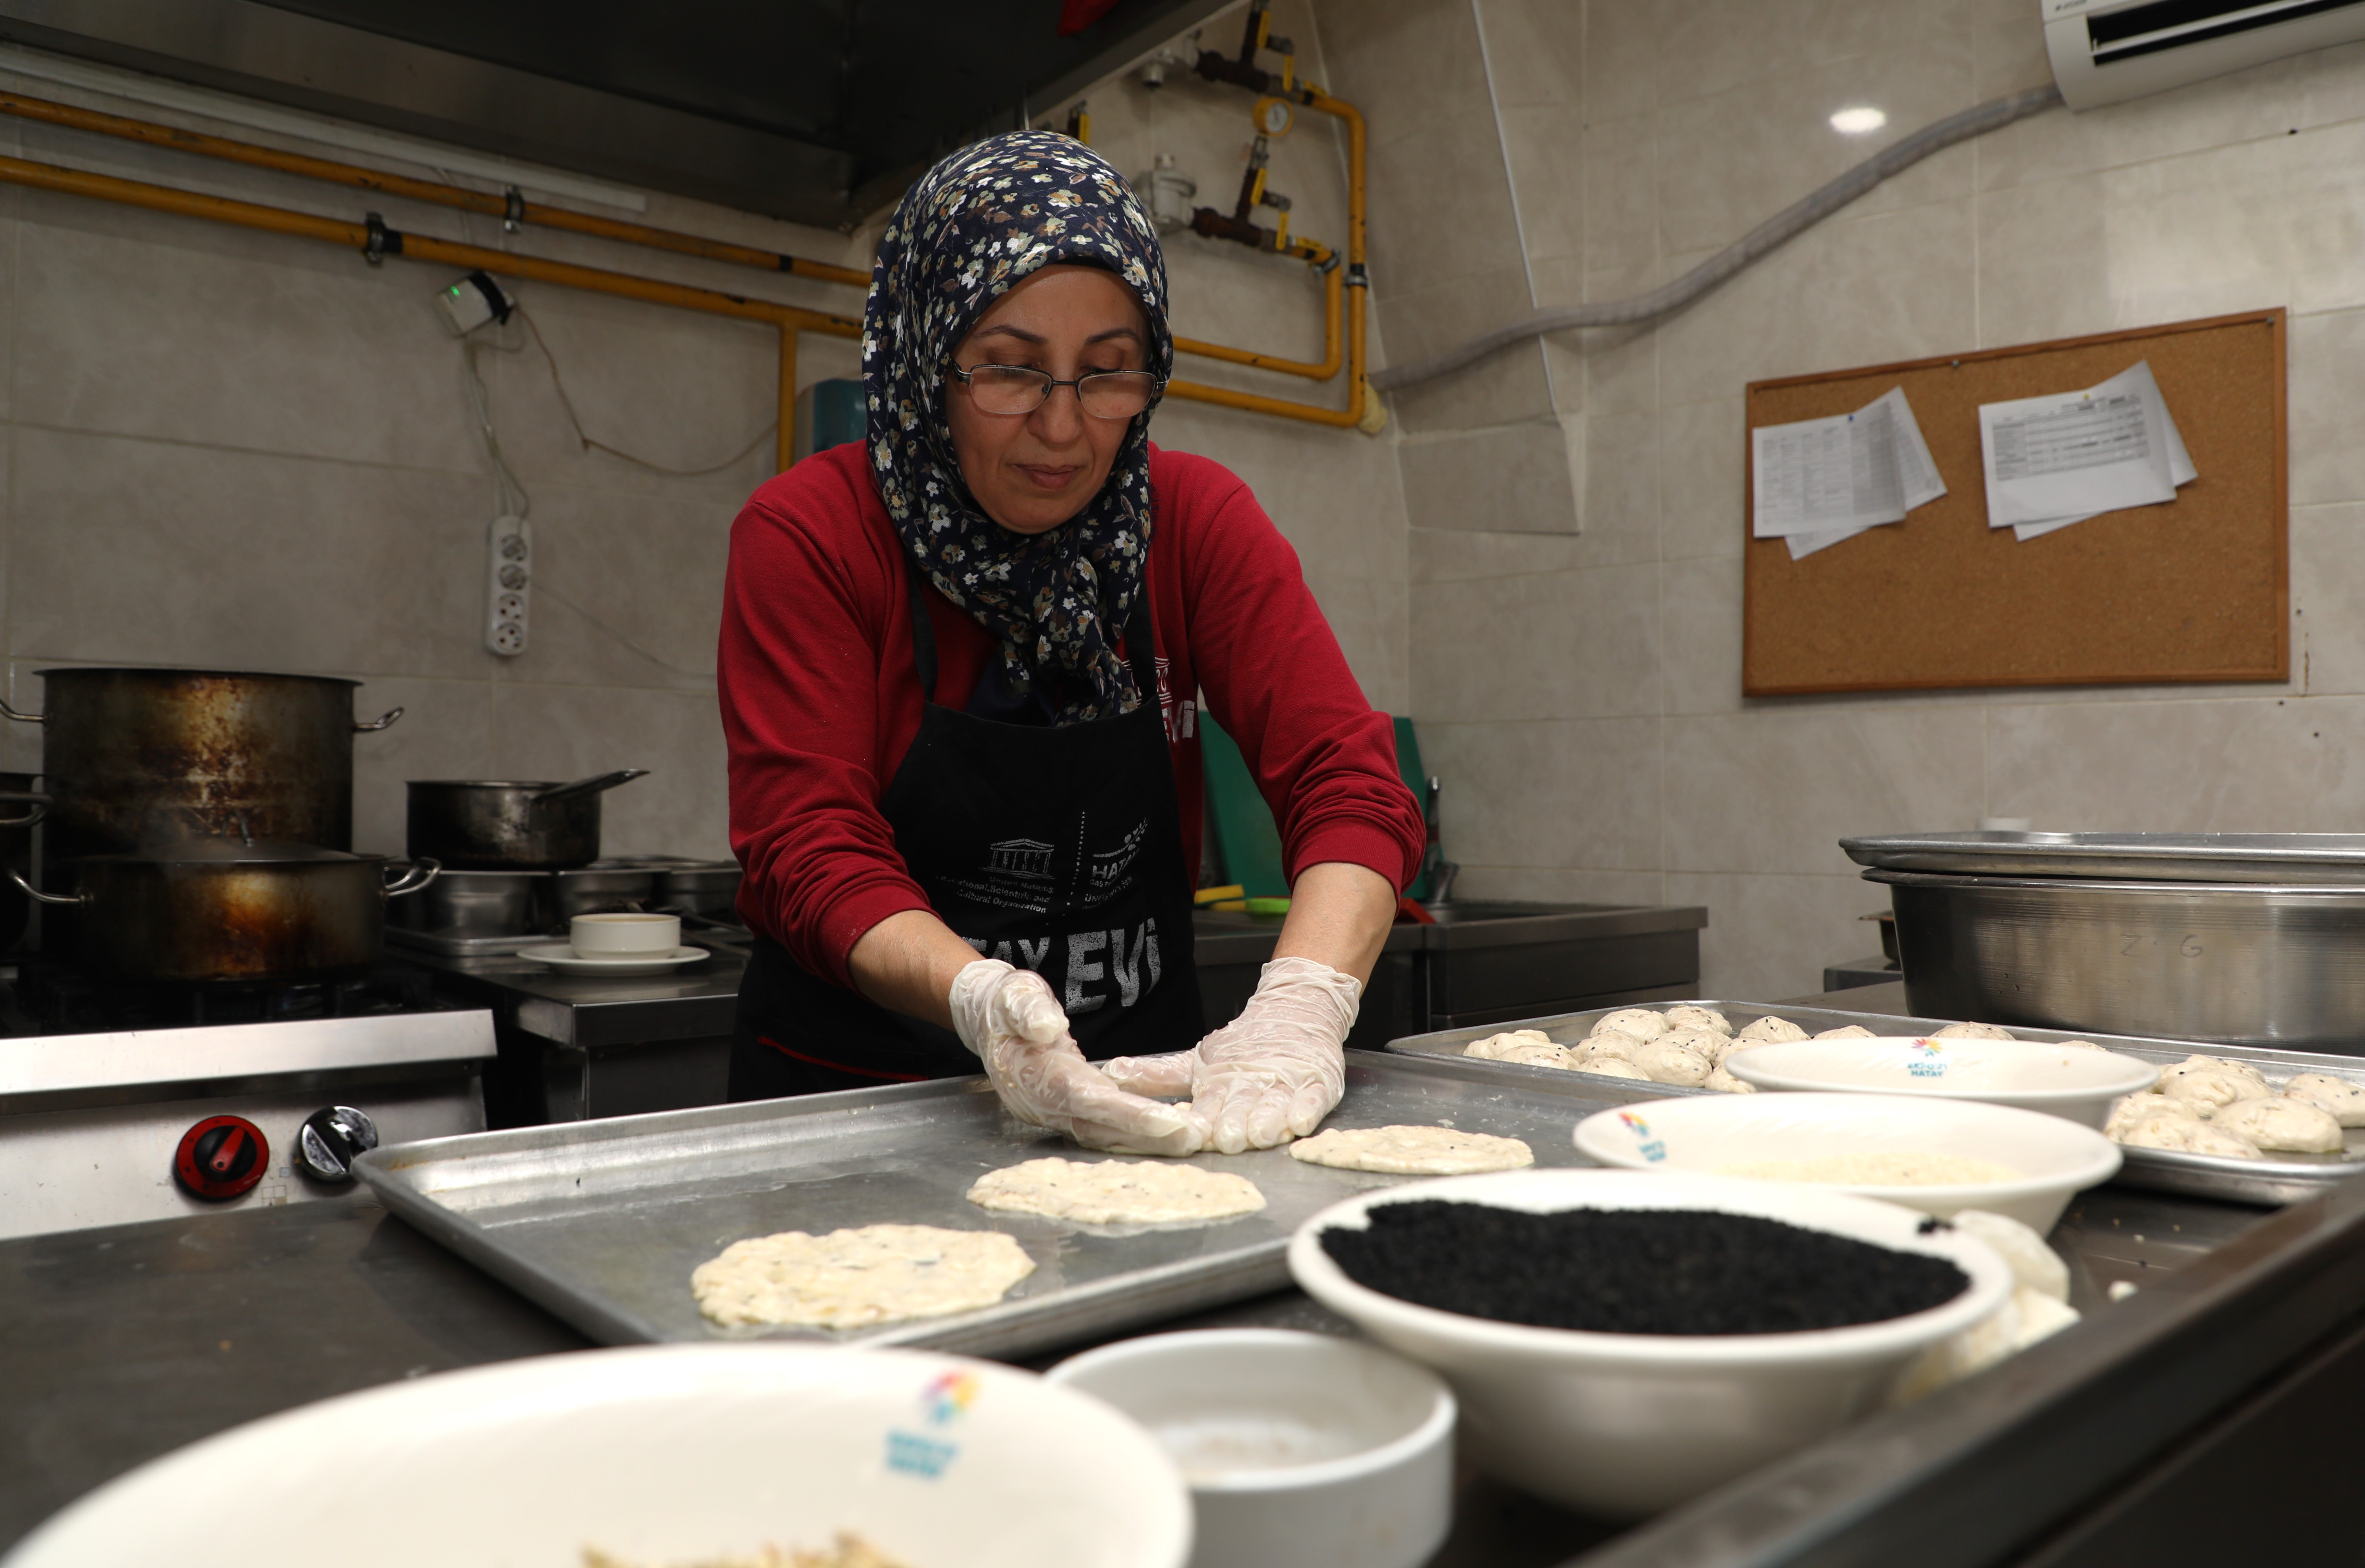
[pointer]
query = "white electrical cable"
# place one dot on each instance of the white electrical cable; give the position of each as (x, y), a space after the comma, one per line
(1894, 158)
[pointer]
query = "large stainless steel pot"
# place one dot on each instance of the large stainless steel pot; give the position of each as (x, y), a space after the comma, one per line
(503, 826)
(2240, 965)
(138, 757)
(225, 910)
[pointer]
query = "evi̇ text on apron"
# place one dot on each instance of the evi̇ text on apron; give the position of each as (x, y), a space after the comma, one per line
(1055, 849)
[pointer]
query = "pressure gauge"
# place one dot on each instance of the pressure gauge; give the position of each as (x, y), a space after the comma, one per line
(1274, 116)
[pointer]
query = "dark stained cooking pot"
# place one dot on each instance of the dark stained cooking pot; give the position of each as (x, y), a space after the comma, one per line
(21, 806)
(138, 757)
(224, 909)
(500, 826)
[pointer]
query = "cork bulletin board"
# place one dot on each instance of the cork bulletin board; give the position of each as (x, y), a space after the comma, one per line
(2194, 589)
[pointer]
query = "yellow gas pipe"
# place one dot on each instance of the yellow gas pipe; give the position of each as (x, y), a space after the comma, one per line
(513, 210)
(376, 242)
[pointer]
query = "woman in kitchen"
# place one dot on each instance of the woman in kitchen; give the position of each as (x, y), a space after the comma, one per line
(959, 670)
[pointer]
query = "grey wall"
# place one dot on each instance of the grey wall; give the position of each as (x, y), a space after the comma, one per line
(1574, 645)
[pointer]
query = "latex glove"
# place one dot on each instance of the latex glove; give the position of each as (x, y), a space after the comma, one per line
(1009, 1017)
(1269, 1075)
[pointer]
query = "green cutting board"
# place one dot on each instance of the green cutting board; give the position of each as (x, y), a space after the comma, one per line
(1247, 844)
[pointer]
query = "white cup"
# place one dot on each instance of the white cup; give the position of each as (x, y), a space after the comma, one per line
(624, 935)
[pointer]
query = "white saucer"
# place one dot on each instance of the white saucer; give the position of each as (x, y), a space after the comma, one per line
(559, 956)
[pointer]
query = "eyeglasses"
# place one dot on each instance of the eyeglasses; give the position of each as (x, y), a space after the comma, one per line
(1015, 389)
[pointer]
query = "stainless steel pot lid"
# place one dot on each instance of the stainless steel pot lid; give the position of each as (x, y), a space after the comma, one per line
(2249, 857)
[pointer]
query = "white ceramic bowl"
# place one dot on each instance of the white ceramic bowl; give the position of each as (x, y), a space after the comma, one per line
(623, 933)
(660, 1454)
(1624, 1425)
(2060, 1080)
(1299, 1448)
(1699, 1135)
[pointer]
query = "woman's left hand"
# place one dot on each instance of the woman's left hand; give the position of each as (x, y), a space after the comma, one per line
(1271, 1074)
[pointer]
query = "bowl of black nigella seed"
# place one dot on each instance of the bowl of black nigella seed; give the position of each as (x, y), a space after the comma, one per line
(1621, 1341)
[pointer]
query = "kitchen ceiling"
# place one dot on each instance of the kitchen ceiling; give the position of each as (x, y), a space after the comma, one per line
(818, 111)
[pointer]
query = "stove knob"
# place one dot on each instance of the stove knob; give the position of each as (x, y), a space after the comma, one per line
(221, 1157)
(332, 1139)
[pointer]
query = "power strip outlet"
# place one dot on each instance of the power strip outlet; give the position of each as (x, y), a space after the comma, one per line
(509, 585)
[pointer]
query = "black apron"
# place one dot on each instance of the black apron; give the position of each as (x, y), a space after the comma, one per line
(1055, 849)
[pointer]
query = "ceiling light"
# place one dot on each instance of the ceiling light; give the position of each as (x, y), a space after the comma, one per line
(1858, 121)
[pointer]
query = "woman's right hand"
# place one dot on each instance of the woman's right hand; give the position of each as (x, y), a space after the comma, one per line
(1009, 1017)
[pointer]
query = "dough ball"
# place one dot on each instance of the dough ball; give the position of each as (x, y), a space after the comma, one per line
(1848, 1032)
(2345, 1100)
(2080, 1045)
(1613, 1067)
(2129, 1109)
(2209, 1138)
(2271, 1120)
(1492, 1043)
(1678, 1062)
(1527, 1053)
(2037, 1266)
(2194, 1064)
(1708, 1043)
(2207, 1088)
(1770, 1031)
(1725, 1082)
(1974, 1032)
(2169, 1124)
(1610, 1044)
(2025, 1316)
(1639, 1021)
(1684, 1015)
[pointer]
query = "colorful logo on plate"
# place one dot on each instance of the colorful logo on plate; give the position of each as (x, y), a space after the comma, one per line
(948, 1395)
(1922, 1059)
(1651, 1148)
(945, 1400)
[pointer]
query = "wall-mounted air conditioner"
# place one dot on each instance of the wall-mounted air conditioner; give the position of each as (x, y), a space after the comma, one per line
(2105, 52)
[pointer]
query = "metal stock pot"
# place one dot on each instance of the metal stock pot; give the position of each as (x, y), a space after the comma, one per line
(2234, 963)
(499, 825)
(217, 909)
(142, 757)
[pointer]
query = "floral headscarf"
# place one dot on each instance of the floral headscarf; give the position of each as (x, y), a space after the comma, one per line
(966, 231)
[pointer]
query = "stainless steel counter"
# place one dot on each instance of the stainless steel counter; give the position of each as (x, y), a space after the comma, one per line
(2239, 1363)
(574, 1047)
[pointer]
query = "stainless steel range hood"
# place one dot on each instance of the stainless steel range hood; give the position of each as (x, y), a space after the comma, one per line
(817, 111)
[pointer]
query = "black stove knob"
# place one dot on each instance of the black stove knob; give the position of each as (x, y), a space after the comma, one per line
(221, 1157)
(332, 1139)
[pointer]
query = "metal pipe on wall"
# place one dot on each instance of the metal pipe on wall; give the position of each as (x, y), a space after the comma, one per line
(376, 242)
(511, 207)
(514, 210)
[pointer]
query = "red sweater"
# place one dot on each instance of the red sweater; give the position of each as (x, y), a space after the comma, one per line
(820, 698)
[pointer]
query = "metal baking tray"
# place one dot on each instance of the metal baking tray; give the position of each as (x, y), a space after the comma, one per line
(2284, 857)
(2278, 1179)
(602, 1221)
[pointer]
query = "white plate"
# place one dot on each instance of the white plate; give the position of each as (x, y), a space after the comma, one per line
(566, 960)
(2062, 1080)
(1698, 1136)
(671, 1454)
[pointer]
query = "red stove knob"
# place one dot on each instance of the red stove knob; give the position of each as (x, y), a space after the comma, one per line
(222, 1157)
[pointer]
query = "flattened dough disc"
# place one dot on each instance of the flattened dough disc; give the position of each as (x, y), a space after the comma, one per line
(1116, 1192)
(1412, 1151)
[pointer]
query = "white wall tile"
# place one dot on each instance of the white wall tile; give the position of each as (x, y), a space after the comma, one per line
(1575, 644)
(1775, 791)
(1561, 792)
(1511, 479)
(2279, 765)
(1769, 937)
